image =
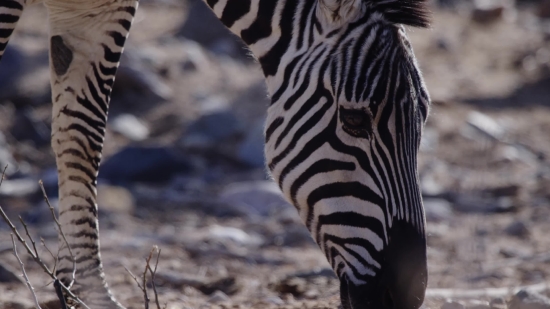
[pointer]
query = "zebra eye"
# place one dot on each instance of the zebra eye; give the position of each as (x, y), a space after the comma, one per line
(356, 121)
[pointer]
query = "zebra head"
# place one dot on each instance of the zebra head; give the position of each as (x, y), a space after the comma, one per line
(342, 137)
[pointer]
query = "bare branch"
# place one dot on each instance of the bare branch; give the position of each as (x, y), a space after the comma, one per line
(29, 285)
(57, 285)
(51, 254)
(52, 210)
(29, 236)
(153, 273)
(3, 174)
(142, 288)
(36, 257)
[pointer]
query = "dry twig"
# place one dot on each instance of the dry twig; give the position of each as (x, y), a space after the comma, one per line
(34, 253)
(143, 285)
(52, 210)
(29, 285)
(153, 273)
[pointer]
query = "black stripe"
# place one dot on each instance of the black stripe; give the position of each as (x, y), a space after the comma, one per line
(126, 24)
(272, 127)
(211, 3)
(319, 167)
(261, 27)
(12, 5)
(118, 38)
(341, 189)
(9, 18)
(109, 55)
(233, 11)
(271, 60)
(307, 150)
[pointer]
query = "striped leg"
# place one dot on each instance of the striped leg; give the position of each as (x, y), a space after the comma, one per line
(87, 39)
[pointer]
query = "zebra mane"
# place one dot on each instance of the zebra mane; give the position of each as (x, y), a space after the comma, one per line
(413, 13)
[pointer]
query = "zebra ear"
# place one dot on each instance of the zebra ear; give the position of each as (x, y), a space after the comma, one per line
(338, 11)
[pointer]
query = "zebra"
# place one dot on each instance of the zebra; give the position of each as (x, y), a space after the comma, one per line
(342, 134)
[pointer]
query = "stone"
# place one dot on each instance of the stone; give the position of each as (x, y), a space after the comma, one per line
(476, 204)
(26, 127)
(254, 198)
(225, 233)
(525, 299)
(115, 199)
(485, 125)
(144, 164)
(251, 150)
(517, 229)
(275, 300)
(292, 285)
(452, 305)
(218, 297)
(438, 209)
(19, 187)
(478, 304)
(131, 127)
(134, 76)
(9, 274)
(213, 128)
(498, 303)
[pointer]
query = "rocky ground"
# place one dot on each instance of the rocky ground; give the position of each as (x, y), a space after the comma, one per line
(183, 165)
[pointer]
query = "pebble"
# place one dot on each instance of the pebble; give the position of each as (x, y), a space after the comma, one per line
(517, 229)
(19, 187)
(9, 274)
(478, 304)
(485, 125)
(212, 128)
(225, 233)
(144, 164)
(218, 297)
(254, 198)
(525, 299)
(498, 303)
(275, 300)
(438, 209)
(133, 76)
(452, 305)
(26, 127)
(131, 127)
(115, 199)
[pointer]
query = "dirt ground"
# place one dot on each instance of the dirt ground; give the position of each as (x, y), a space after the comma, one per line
(484, 169)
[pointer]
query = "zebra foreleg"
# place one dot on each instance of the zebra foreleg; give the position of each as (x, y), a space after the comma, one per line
(86, 42)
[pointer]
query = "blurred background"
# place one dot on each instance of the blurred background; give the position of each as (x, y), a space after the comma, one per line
(183, 160)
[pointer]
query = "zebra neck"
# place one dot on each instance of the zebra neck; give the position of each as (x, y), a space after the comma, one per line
(266, 26)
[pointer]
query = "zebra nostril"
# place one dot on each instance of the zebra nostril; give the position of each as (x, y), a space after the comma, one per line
(387, 299)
